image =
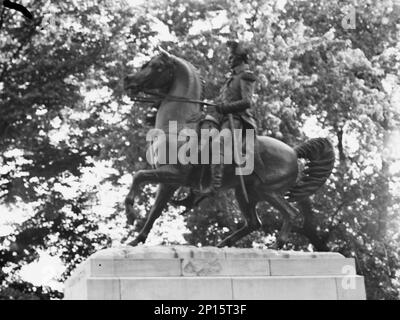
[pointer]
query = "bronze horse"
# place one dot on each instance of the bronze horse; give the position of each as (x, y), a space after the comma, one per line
(172, 76)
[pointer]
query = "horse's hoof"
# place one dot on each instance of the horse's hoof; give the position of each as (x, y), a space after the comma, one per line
(130, 215)
(133, 243)
(136, 241)
(278, 245)
(223, 244)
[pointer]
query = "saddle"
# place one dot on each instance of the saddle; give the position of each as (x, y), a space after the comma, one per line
(259, 167)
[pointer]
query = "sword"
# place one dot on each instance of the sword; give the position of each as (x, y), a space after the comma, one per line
(230, 116)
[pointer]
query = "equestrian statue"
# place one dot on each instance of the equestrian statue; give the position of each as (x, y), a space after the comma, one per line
(276, 177)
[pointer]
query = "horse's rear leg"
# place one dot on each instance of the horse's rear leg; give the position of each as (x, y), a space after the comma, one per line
(288, 212)
(164, 193)
(252, 221)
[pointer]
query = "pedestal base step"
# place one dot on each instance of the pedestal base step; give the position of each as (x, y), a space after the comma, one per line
(190, 273)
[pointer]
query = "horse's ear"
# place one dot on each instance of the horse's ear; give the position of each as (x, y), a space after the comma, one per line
(164, 52)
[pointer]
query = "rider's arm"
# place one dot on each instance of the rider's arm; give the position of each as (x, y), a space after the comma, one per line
(246, 89)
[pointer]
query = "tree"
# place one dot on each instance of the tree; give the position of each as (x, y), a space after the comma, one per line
(43, 68)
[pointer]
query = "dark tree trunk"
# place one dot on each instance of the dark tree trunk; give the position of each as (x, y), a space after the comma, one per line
(310, 228)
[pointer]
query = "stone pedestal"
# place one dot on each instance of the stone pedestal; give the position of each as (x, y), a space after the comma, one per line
(190, 273)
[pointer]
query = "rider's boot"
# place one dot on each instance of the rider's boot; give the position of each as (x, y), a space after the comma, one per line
(217, 171)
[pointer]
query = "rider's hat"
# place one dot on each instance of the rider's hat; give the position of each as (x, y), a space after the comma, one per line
(238, 49)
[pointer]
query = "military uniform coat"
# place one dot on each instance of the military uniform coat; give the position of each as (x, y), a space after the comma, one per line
(236, 96)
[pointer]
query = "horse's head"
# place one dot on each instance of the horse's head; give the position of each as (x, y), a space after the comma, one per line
(158, 73)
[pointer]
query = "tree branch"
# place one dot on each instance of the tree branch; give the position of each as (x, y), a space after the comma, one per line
(339, 133)
(24, 41)
(3, 9)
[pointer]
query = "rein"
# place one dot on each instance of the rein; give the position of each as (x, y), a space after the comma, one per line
(171, 98)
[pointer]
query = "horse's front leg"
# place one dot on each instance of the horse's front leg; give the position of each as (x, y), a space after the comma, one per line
(164, 193)
(169, 177)
(130, 213)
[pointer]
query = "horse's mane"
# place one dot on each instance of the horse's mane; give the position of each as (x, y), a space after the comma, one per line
(191, 72)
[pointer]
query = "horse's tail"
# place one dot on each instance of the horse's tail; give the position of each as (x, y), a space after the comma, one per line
(321, 158)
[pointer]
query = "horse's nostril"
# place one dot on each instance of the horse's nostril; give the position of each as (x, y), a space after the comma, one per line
(130, 82)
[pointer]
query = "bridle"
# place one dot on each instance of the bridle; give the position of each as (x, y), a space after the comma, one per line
(163, 96)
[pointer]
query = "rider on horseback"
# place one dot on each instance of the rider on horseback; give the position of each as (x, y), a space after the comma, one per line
(236, 99)
(180, 88)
